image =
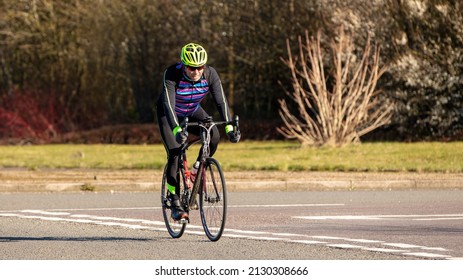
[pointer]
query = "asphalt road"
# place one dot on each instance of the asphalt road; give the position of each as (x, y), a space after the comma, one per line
(309, 225)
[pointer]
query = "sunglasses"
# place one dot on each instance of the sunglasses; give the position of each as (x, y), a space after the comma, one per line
(191, 68)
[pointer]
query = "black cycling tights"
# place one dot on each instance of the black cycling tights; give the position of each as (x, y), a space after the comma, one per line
(173, 148)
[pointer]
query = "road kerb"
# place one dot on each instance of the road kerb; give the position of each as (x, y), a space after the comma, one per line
(237, 186)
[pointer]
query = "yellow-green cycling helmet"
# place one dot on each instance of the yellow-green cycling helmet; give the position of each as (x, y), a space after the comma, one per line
(193, 55)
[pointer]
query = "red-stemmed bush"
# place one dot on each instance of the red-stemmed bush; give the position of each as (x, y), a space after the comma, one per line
(29, 115)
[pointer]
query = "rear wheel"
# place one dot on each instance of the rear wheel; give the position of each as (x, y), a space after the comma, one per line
(213, 199)
(175, 228)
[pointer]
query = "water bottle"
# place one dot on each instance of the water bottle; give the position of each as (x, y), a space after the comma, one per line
(193, 172)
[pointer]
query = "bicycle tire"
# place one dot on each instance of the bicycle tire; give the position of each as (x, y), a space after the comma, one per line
(175, 228)
(213, 199)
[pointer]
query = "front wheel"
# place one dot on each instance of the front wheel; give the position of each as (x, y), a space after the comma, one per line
(213, 199)
(175, 228)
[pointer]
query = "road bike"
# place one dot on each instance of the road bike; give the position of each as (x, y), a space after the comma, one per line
(207, 193)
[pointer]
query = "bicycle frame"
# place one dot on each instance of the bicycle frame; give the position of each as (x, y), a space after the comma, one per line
(205, 138)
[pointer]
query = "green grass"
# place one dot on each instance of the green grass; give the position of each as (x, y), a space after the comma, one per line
(272, 155)
(288, 156)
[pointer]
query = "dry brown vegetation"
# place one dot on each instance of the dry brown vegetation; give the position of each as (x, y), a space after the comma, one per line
(337, 107)
(101, 62)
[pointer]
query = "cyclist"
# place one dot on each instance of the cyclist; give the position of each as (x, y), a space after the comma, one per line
(184, 86)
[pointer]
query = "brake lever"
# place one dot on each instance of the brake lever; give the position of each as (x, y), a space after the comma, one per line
(184, 124)
(236, 122)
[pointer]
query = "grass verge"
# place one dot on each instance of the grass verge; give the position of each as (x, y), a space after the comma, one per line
(248, 155)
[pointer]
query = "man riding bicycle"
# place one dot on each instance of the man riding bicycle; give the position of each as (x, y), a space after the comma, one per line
(184, 86)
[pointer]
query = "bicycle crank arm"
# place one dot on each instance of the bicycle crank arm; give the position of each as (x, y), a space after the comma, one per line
(184, 221)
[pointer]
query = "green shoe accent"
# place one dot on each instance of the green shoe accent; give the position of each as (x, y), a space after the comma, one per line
(171, 188)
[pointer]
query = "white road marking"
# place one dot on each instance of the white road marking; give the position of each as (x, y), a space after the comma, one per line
(92, 209)
(434, 248)
(363, 240)
(411, 246)
(308, 242)
(46, 212)
(401, 245)
(385, 250)
(383, 217)
(426, 255)
(284, 205)
(345, 246)
(336, 217)
(440, 219)
(142, 224)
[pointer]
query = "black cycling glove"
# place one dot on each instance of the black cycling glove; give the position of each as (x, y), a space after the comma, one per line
(180, 135)
(233, 136)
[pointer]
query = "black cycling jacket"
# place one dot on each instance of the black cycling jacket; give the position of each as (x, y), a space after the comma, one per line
(181, 97)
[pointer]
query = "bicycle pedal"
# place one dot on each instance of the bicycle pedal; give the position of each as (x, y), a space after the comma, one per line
(213, 199)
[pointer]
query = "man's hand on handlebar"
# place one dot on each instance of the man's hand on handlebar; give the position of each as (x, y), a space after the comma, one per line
(233, 130)
(180, 134)
(234, 136)
(181, 137)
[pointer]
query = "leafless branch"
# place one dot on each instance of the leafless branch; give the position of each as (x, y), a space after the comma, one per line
(340, 112)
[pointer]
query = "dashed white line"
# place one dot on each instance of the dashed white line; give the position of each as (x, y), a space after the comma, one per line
(284, 205)
(345, 246)
(384, 250)
(426, 255)
(308, 242)
(435, 217)
(363, 240)
(46, 212)
(402, 245)
(399, 248)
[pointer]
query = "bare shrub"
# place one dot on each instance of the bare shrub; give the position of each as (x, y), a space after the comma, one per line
(336, 108)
